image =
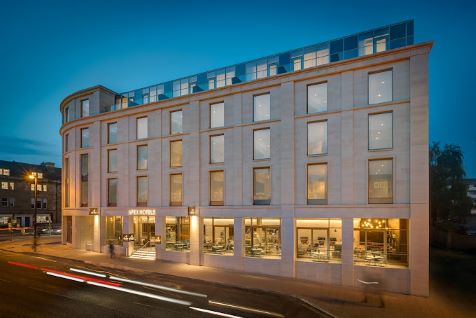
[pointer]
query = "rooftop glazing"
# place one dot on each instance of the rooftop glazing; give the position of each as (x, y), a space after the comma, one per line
(360, 44)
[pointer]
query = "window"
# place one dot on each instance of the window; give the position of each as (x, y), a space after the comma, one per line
(218, 236)
(317, 138)
(44, 203)
(114, 229)
(317, 98)
(261, 144)
(112, 133)
(66, 181)
(317, 183)
(256, 70)
(66, 114)
(380, 87)
(366, 46)
(261, 107)
(217, 115)
(142, 154)
(319, 240)
(142, 128)
(5, 185)
(176, 153)
(382, 242)
(11, 186)
(44, 187)
(142, 189)
(217, 187)
(66, 143)
(5, 172)
(262, 186)
(381, 181)
(84, 137)
(176, 189)
(217, 149)
(11, 202)
(84, 194)
(85, 108)
(380, 131)
(112, 192)
(112, 160)
(176, 122)
(32, 203)
(273, 69)
(263, 237)
(4, 202)
(381, 44)
(177, 233)
(297, 64)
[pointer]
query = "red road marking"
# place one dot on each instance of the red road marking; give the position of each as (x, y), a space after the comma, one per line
(23, 265)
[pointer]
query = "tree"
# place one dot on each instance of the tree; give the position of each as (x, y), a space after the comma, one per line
(448, 193)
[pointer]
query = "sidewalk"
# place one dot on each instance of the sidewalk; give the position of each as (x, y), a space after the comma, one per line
(339, 300)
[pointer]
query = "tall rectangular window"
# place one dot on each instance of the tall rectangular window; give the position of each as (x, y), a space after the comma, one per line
(112, 133)
(317, 183)
(261, 107)
(112, 192)
(380, 131)
(142, 128)
(176, 119)
(84, 137)
(218, 236)
(142, 157)
(380, 87)
(112, 160)
(317, 98)
(66, 182)
(84, 172)
(262, 144)
(262, 186)
(217, 187)
(114, 229)
(317, 138)
(263, 237)
(66, 114)
(176, 189)
(177, 233)
(319, 240)
(381, 181)
(85, 108)
(217, 149)
(176, 153)
(66, 143)
(217, 115)
(142, 190)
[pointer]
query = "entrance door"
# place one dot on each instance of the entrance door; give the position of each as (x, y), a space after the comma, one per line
(144, 230)
(27, 221)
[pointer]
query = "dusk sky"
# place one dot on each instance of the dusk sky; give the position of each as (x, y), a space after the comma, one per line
(50, 49)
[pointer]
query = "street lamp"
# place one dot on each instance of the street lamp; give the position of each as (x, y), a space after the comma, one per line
(35, 176)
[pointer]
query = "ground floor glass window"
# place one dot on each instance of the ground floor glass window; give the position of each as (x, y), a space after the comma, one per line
(177, 233)
(114, 229)
(263, 237)
(319, 240)
(218, 236)
(381, 242)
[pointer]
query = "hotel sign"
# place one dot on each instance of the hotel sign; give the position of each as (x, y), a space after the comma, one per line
(141, 211)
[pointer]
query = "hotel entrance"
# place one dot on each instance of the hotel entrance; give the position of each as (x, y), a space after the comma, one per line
(144, 231)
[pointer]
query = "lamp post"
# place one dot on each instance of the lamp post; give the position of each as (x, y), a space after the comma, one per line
(34, 176)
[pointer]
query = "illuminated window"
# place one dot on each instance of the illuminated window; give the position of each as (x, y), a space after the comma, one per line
(217, 115)
(380, 87)
(5, 185)
(217, 149)
(381, 181)
(262, 144)
(176, 189)
(381, 242)
(112, 192)
(217, 187)
(317, 183)
(263, 237)
(142, 190)
(380, 131)
(177, 233)
(317, 98)
(319, 240)
(44, 188)
(176, 153)
(218, 236)
(317, 138)
(262, 186)
(261, 107)
(84, 172)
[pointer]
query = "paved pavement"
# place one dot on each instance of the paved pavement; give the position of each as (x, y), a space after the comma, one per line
(338, 300)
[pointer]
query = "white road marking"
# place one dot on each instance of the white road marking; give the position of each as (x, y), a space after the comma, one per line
(216, 313)
(136, 292)
(180, 291)
(249, 309)
(87, 272)
(45, 259)
(66, 277)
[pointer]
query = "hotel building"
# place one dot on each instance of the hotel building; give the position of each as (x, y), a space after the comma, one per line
(311, 163)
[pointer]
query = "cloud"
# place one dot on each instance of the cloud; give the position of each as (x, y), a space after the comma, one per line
(17, 148)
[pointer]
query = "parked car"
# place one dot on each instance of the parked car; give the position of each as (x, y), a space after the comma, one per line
(55, 230)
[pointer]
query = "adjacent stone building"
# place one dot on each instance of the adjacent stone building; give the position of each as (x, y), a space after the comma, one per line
(17, 196)
(311, 163)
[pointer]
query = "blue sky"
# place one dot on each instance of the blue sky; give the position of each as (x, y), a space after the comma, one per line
(49, 49)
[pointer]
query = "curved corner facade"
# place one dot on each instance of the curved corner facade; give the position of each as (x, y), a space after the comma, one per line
(319, 173)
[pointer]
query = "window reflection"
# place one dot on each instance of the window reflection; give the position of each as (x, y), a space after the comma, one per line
(176, 122)
(317, 98)
(217, 149)
(176, 189)
(381, 181)
(217, 115)
(176, 153)
(380, 87)
(317, 138)
(380, 131)
(261, 142)
(317, 183)
(217, 187)
(261, 107)
(261, 186)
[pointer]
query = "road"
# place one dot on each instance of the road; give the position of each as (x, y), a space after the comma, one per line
(29, 289)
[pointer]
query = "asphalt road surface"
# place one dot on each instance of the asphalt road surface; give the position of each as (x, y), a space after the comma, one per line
(34, 286)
